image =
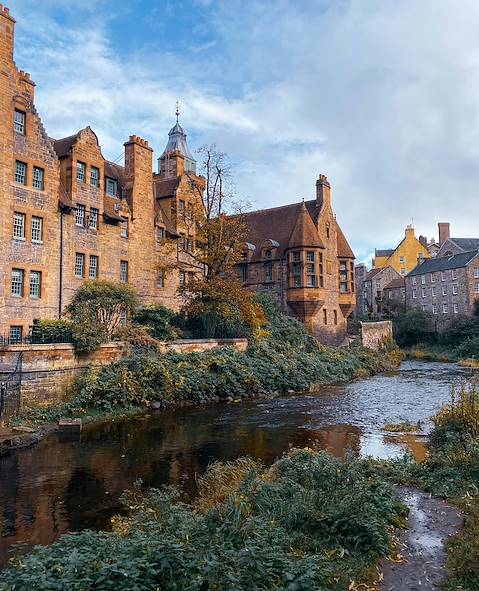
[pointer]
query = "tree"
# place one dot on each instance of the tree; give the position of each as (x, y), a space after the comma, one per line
(413, 327)
(97, 310)
(213, 293)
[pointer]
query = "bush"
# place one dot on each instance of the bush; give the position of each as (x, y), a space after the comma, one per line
(309, 522)
(413, 327)
(157, 321)
(52, 331)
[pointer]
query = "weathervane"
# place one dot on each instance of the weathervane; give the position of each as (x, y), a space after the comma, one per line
(177, 110)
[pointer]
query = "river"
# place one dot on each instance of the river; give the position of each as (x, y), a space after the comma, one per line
(64, 485)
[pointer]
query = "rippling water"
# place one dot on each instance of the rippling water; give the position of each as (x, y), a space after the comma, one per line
(59, 486)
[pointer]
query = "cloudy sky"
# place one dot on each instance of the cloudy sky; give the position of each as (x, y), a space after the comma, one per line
(380, 95)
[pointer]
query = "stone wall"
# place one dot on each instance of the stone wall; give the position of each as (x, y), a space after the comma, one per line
(49, 370)
(374, 334)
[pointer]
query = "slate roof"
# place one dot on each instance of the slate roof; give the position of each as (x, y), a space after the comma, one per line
(63, 146)
(165, 187)
(467, 244)
(372, 273)
(278, 223)
(397, 283)
(387, 252)
(304, 233)
(444, 263)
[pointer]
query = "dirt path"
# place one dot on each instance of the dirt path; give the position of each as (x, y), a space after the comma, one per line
(431, 523)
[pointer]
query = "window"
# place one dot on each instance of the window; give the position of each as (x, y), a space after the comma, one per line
(189, 211)
(444, 290)
(310, 256)
(160, 233)
(455, 308)
(36, 229)
(477, 287)
(433, 278)
(19, 226)
(189, 245)
(296, 256)
(454, 274)
(414, 280)
(454, 289)
(325, 316)
(423, 279)
(124, 229)
(268, 271)
(94, 176)
(244, 273)
(16, 334)
(433, 292)
(93, 269)
(17, 283)
(335, 316)
(476, 273)
(445, 308)
(424, 307)
(93, 219)
(390, 294)
(160, 280)
(402, 260)
(124, 271)
(19, 121)
(81, 171)
(311, 280)
(443, 276)
(327, 236)
(423, 292)
(110, 187)
(20, 172)
(182, 278)
(79, 264)
(414, 294)
(403, 272)
(268, 254)
(181, 208)
(38, 178)
(181, 243)
(434, 308)
(35, 284)
(80, 215)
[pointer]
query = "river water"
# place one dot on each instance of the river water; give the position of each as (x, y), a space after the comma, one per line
(64, 485)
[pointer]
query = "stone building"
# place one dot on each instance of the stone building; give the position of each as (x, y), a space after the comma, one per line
(447, 287)
(449, 246)
(68, 214)
(395, 292)
(370, 287)
(405, 256)
(299, 255)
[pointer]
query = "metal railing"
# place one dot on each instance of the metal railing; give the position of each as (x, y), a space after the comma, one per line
(35, 339)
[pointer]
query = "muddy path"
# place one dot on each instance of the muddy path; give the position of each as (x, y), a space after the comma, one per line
(431, 523)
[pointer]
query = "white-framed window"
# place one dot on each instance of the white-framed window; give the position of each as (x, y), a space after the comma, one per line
(182, 278)
(17, 283)
(38, 178)
(445, 308)
(423, 279)
(80, 215)
(414, 294)
(15, 335)
(110, 187)
(124, 271)
(160, 280)
(20, 172)
(189, 245)
(433, 278)
(19, 121)
(455, 289)
(476, 273)
(402, 260)
(454, 273)
(94, 176)
(36, 229)
(443, 275)
(79, 264)
(434, 308)
(424, 307)
(433, 292)
(181, 208)
(93, 219)
(35, 284)
(444, 290)
(124, 229)
(414, 280)
(160, 233)
(378, 285)
(390, 294)
(81, 171)
(18, 226)
(455, 308)
(423, 292)
(477, 288)
(93, 268)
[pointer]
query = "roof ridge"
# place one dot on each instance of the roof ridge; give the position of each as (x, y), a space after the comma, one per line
(279, 207)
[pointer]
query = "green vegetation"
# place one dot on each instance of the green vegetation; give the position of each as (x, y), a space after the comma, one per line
(308, 522)
(282, 357)
(52, 331)
(405, 427)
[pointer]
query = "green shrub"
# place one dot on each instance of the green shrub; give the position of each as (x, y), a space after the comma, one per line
(52, 331)
(309, 522)
(157, 321)
(413, 327)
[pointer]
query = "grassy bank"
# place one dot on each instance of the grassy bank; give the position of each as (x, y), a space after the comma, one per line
(284, 357)
(432, 353)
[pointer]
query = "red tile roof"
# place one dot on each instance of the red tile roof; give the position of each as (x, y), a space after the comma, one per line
(304, 232)
(397, 283)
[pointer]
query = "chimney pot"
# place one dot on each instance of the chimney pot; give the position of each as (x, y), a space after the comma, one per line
(444, 232)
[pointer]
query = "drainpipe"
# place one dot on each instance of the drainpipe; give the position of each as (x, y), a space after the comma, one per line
(61, 266)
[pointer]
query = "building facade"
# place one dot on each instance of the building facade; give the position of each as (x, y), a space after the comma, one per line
(68, 214)
(299, 255)
(447, 287)
(405, 257)
(449, 246)
(370, 288)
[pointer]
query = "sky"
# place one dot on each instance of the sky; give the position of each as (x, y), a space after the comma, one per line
(382, 96)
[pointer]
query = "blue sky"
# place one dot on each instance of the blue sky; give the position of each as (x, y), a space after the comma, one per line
(380, 95)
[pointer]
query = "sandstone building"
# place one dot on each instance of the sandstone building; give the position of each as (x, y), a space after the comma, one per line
(370, 288)
(405, 256)
(68, 214)
(299, 255)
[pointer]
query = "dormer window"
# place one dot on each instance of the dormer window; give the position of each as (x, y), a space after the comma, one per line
(268, 254)
(111, 187)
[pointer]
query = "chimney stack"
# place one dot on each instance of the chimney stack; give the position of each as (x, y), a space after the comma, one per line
(423, 240)
(444, 232)
(323, 191)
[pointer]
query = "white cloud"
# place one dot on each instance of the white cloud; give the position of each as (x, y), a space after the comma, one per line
(381, 95)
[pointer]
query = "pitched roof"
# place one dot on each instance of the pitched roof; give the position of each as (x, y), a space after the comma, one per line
(444, 263)
(467, 244)
(386, 252)
(114, 171)
(111, 208)
(344, 250)
(63, 146)
(397, 283)
(304, 231)
(372, 273)
(165, 187)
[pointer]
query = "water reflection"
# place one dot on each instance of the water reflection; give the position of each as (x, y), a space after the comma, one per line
(65, 485)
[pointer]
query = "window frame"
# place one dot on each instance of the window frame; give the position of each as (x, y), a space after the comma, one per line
(18, 215)
(19, 164)
(79, 262)
(80, 215)
(109, 181)
(93, 217)
(95, 258)
(20, 126)
(94, 180)
(33, 230)
(81, 171)
(37, 284)
(21, 283)
(124, 271)
(38, 183)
